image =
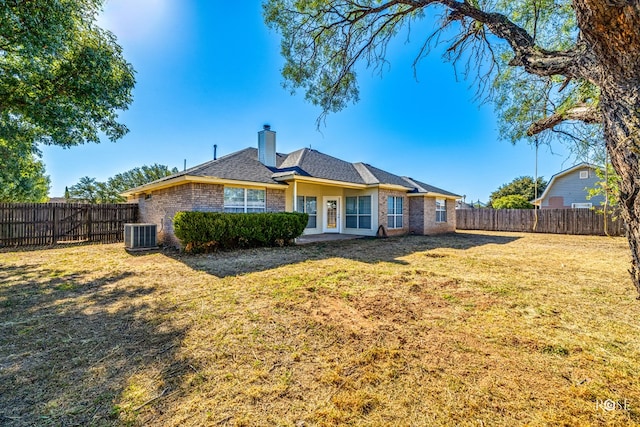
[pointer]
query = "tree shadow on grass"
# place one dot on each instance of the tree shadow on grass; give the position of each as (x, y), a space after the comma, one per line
(367, 250)
(70, 344)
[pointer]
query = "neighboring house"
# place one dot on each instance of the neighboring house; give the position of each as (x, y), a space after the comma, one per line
(340, 197)
(569, 188)
(461, 204)
(57, 200)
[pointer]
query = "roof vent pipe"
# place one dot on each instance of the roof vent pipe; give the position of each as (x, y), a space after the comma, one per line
(215, 151)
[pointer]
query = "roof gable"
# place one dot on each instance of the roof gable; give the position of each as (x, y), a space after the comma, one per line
(560, 174)
(319, 165)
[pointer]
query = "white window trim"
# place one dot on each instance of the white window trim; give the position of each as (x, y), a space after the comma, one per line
(396, 214)
(584, 174)
(441, 208)
(303, 209)
(359, 215)
(245, 207)
(581, 205)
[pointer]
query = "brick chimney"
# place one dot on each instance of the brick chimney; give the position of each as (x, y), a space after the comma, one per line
(267, 146)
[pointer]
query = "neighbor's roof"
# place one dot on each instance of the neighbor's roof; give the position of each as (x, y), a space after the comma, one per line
(560, 174)
(244, 166)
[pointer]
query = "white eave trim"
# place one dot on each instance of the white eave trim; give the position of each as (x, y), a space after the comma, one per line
(432, 194)
(333, 183)
(185, 179)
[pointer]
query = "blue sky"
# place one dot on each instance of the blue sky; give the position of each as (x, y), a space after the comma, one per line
(208, 72)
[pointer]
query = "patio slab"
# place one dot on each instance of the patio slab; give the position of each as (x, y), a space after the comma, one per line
(326, 237)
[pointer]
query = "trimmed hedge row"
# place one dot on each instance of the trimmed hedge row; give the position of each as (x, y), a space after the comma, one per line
(210, 231)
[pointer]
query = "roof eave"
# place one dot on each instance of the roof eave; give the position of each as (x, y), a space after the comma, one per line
(391, 187)
(434, 194)
(321, 181)
(184, 179)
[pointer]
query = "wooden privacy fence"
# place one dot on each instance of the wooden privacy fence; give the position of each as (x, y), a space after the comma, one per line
(557, 221)
(35, 224)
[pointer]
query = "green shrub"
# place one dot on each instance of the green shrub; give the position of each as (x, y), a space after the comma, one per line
(514, 201)
(210, 231)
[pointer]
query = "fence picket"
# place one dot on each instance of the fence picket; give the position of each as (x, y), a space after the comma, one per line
(29, 224)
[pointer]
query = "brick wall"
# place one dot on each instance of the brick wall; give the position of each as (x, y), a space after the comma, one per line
(383, 196)
(161, 206)
(208, 197)
(416, 215)
(276, 200)
(422, 219)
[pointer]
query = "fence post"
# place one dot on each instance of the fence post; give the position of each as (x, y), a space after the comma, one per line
(54, 227)
(89, 224)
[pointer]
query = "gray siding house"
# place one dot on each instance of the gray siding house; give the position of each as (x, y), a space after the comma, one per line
(340, 197)
(568, 189)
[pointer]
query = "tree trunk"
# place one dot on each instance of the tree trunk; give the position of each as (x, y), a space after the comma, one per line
(621, 109)
(611, 30)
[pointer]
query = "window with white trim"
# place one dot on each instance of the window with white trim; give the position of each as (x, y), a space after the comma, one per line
(309, 205)
(358, 212)
(581, 205)
(441, 210)
(584, 174)
(244, 200)
(394, 212)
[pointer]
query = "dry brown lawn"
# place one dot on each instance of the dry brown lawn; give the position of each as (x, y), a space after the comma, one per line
(476, 328)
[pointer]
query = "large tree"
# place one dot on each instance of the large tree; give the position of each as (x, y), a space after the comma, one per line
(22, 173)
(554, 65)
(139, 176)
(62, 78)
(88, 190)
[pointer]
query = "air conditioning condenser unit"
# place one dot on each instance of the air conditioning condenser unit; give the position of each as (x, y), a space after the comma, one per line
(140, 236)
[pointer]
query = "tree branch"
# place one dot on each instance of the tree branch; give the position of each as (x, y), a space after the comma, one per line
(575, 63)
(583, 112)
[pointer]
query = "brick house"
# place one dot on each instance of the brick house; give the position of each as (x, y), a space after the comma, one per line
(340, 197)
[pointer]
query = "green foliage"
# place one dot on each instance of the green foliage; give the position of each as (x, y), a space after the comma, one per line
(209, 231)
(514, 201)
(608, 187)
(88, 190)
(320, 55)
(22, 174)
(62, 78)
(523, 186)
(139, 176)
(325, 42)
(62, 81)
(85, 191)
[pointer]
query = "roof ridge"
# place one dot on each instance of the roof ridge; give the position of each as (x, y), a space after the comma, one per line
(302, 155)
(366, 174)
(413, 183)
(208, 162)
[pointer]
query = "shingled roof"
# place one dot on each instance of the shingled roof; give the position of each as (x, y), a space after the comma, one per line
(421, 187)
(244, 165)
(319, 165)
